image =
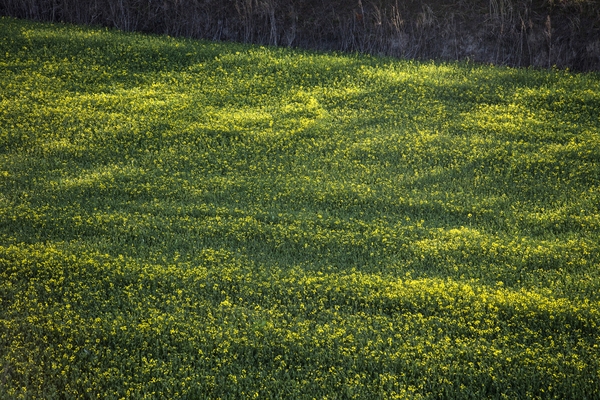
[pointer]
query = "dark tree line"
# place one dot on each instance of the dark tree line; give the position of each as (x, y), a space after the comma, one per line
(540, 33)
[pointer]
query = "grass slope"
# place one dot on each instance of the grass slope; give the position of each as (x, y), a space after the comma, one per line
(186, 219)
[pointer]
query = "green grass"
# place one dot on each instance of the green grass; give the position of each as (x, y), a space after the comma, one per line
(184, 219)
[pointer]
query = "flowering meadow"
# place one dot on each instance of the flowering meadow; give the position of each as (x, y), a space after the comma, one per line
(193, 220)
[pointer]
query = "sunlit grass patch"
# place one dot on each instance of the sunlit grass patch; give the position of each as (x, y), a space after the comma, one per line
(187, 219)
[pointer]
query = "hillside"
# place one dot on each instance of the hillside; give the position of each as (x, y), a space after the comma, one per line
(189, 219)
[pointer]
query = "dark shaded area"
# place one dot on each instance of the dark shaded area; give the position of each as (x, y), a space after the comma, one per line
(539, 33)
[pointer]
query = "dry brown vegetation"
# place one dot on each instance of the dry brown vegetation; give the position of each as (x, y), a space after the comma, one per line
(540, 33)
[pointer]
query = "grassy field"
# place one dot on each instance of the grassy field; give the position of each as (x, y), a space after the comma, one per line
(185, 219)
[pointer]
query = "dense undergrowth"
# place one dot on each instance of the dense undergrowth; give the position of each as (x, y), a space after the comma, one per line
(186, 219)
(521, 33)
